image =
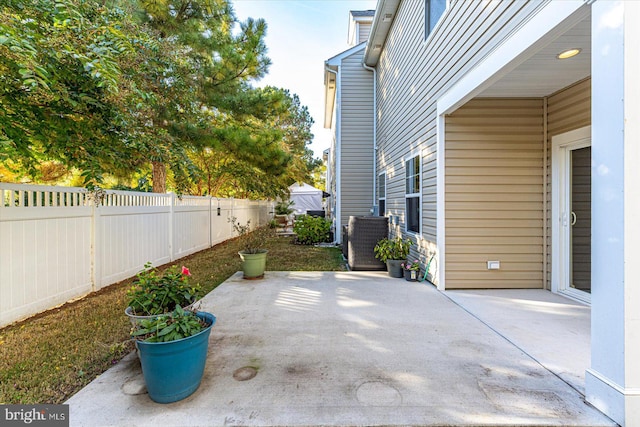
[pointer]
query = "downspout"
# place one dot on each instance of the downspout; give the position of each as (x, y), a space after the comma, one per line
(375, 130)
(338, 196)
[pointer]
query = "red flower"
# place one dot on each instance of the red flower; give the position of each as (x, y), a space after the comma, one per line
(186, 271)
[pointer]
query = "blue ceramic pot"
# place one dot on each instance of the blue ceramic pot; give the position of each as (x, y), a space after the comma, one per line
(173, 370)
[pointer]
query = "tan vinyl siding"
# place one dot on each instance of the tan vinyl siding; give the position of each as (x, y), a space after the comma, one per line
(494, 194)
(412, 74)
(356, 185)
(567, 110)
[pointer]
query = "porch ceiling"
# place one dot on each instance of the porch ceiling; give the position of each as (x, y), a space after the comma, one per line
(542, 73)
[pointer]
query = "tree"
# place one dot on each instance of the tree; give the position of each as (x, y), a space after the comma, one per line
(216, 64)
(273, 154)
(83, 86)
(62, 91)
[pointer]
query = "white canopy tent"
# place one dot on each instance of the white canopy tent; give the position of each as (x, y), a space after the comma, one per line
(305, 198)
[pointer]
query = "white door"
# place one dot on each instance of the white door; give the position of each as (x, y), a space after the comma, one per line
(571, 214)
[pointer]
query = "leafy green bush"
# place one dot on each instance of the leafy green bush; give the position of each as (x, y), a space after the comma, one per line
(311, 229)
(283, 207)
(175, 326)
(396, 249)
(156, 293)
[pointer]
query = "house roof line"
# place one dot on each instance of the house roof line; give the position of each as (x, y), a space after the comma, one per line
(382, 20)
(335, 60)
(331, 66)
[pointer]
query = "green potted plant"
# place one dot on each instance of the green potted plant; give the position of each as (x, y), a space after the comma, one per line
(283, 211)
(253, 254)
(156, 293)
(411, 270)
(283, 207)
(393, 252)
(173, 352)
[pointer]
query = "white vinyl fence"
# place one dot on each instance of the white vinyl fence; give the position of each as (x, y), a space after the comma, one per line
(56, 244)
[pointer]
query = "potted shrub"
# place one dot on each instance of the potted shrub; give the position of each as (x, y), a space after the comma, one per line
(253, 254)
(411, 270)
(155, 293)
(283, 210)
(393, 252)
(173, 352)
(283, 207)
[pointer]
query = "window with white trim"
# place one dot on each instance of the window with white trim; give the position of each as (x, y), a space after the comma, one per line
(382, 194)
(412, 194)
(433, 11)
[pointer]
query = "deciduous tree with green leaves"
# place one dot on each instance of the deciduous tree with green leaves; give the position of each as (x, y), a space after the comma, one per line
(120, 87)
(62, 91)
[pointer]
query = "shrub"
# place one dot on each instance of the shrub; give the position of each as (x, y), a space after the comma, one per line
(395, 249)
(156, 293)
(176, 326)
(283, 207)
(253, 242)
(310, 230)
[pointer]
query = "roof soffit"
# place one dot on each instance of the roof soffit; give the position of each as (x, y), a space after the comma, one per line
(382, 21)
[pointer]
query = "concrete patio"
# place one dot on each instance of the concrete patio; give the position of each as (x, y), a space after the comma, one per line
(360, 348)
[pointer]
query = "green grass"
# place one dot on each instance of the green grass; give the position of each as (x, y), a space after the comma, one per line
(49, 357)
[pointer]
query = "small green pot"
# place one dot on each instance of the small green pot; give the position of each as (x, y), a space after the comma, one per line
(253, 265)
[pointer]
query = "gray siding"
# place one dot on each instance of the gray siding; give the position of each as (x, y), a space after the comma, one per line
(363, 31)
(356, 145)
(412, 75)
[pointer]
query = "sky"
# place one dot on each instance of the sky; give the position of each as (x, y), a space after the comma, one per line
(301, 35)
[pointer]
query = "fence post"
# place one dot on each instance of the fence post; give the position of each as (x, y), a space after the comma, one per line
(171, 226)
(210, 221)
(92, 257)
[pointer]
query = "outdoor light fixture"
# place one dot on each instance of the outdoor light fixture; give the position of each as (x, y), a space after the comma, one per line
(569, 53)
(218, 206)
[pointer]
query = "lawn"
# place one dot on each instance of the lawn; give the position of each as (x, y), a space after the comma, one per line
(49, 357)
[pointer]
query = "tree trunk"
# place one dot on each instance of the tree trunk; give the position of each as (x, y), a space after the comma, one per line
(159, 177)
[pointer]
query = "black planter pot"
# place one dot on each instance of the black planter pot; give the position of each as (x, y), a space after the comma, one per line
(394, 267)
(411, 275)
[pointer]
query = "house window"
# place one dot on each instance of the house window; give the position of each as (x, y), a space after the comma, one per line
(412, 194)
(382, 194)
(433, 10)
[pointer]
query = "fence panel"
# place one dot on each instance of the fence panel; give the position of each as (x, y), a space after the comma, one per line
(221, 227)
(56, 244)
(191, 221)
(45, 248)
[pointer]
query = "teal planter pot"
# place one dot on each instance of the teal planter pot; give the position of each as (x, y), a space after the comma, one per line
(173, 370)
